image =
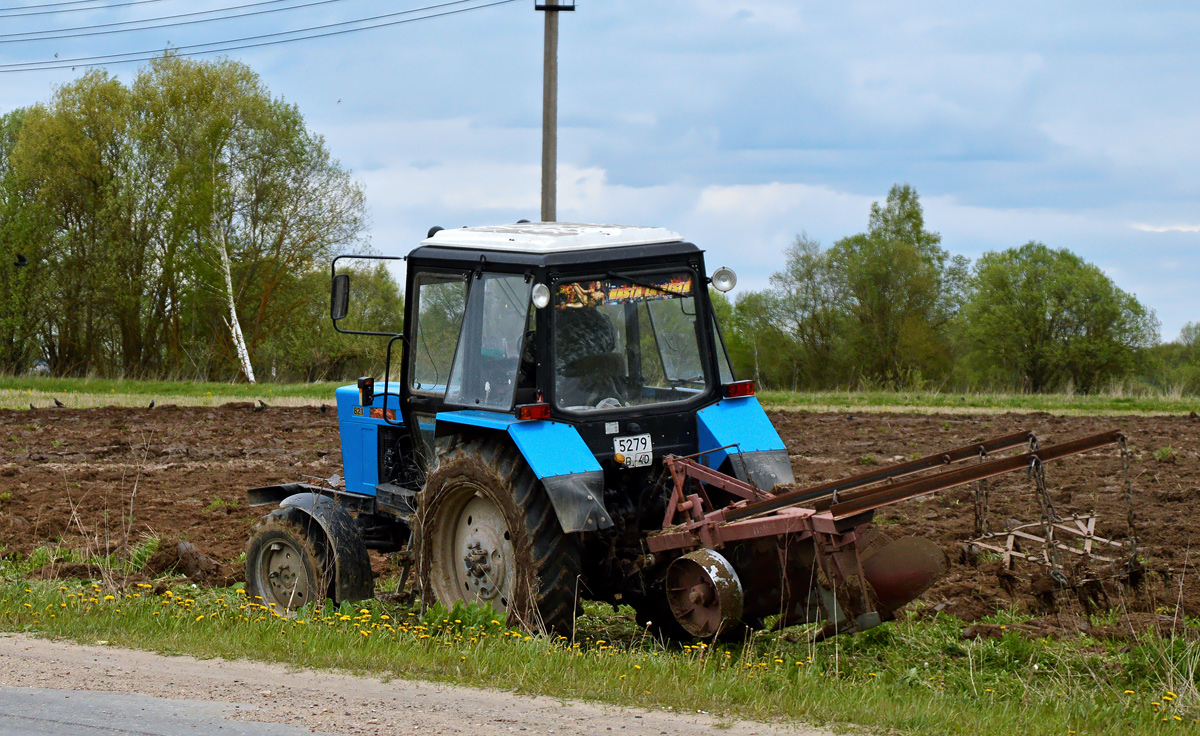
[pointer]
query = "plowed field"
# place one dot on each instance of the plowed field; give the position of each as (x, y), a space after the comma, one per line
(107, 479)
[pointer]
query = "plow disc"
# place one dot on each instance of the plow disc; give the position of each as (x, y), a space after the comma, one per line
(811, 554)
(902, 570)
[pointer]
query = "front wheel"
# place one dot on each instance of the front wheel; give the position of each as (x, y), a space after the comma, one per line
(287, 566)
(490, 535)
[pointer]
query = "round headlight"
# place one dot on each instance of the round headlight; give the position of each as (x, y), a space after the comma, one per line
(540, 295)
(724, 279)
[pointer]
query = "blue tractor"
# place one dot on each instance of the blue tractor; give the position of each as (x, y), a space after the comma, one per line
(564, 424)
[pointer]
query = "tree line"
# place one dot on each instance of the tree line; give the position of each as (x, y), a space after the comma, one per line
(890, 308)
(181, 226)
(177, 226)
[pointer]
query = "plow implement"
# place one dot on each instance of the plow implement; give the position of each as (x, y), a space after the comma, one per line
(812, 554)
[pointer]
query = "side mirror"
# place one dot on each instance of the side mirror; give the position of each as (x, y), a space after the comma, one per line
(339, 300)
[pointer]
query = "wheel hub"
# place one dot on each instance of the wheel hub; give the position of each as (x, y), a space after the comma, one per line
(285, 575)
(484, 546)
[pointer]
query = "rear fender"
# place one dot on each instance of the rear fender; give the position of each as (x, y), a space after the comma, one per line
(353, 580)
(738, 429)
(557, 455)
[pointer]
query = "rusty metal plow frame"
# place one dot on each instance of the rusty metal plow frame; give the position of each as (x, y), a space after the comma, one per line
(1081, 526)
(836, 513)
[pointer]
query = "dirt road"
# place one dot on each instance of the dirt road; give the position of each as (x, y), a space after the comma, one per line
(316, 701)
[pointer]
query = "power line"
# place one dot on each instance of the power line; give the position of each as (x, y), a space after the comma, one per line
(61, 31)
(71, 10)
(155, 53)
(78, 59)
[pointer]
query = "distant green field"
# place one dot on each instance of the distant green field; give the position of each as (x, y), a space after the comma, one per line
(952, 402)
(19, 393)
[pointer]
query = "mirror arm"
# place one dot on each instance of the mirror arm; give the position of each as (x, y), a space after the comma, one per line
(387, 369)
(333, 273)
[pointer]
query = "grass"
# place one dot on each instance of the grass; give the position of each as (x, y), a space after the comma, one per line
(937, 402)
(1165, 454)
(20, 392)
(910, 676)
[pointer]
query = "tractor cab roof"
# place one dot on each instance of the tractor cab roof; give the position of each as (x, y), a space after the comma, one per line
(551, 243)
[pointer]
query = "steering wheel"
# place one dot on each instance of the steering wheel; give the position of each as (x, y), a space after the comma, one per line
(609, 403)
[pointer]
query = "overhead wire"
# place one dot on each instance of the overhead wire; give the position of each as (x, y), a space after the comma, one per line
(90, 30)
(70, 10)
(147, 55)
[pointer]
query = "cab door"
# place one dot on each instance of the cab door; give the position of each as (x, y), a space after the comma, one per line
(436, 312)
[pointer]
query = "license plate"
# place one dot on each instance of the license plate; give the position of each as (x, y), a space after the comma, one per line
(637, 449)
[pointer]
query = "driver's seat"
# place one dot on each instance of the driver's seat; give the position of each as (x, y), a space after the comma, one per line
(588, 370)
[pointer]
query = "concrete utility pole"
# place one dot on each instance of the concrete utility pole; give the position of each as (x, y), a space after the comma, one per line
(550, 108)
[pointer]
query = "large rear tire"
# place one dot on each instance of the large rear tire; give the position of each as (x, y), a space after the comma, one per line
(488, 533)
(287, 564)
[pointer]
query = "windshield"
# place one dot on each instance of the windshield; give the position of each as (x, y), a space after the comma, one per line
(626, 340)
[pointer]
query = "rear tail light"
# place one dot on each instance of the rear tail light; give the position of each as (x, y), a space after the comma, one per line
(526, 412)
(739, 388)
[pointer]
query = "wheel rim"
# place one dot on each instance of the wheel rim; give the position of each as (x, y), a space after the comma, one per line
(285, 584)
(473, 554)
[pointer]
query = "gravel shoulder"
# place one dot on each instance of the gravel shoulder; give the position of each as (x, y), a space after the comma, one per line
(326, 701)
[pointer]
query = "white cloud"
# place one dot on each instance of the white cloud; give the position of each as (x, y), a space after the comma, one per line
(1166, 228)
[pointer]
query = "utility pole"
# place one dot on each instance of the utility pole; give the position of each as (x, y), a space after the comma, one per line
(550, 107)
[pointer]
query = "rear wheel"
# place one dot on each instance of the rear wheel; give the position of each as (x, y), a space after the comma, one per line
(287, 566)
(488, 533)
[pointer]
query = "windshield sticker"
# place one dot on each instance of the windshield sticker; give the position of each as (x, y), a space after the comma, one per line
(619, 291)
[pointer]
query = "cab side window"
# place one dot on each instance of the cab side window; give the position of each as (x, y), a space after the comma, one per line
(441, 303)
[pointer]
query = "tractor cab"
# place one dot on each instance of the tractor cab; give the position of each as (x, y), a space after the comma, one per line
(593, 348)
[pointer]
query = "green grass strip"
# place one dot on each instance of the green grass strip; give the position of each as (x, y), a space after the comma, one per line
(20, 392)
(83, 393)
(918, 677)
(1083, 404)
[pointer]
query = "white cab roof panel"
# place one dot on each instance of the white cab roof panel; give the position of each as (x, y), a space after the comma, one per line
(550, 237)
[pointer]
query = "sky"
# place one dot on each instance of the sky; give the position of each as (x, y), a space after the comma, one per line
(738, 123)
